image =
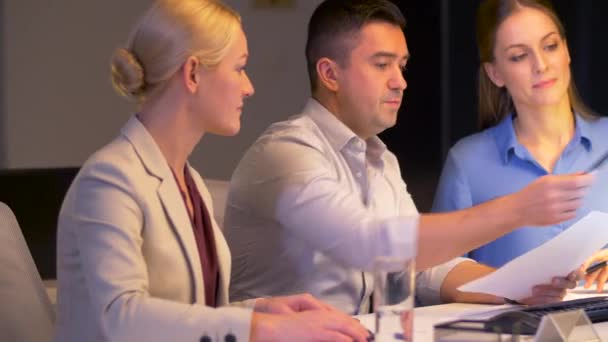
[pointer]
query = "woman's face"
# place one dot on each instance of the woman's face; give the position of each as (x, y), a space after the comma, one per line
(223, 89)
(531, 60)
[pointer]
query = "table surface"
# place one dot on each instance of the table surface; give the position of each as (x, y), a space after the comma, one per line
(426, 317)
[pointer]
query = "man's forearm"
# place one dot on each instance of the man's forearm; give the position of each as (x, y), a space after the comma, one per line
(443, 236)
(463, 273)
(548, 200)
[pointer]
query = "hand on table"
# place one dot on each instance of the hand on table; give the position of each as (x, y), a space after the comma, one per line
(289, 304)
(303, 318)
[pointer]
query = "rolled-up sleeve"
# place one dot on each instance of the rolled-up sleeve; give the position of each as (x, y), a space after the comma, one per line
(428, 282)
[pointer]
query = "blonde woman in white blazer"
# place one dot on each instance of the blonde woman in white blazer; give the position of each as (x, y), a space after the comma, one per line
(133, 263)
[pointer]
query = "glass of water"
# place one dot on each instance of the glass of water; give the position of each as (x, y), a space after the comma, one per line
(394, 282)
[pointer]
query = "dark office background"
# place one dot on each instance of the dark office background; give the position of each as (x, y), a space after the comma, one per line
(440, 103)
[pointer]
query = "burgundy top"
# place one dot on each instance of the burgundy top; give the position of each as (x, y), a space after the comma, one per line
(203, 234)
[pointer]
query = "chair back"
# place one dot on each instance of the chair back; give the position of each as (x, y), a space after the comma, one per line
(219, 194)
(26, 314)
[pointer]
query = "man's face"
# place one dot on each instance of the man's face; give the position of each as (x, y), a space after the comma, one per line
(371, 82)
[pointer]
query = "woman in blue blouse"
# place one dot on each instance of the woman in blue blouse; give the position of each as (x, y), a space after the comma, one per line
(533, 122)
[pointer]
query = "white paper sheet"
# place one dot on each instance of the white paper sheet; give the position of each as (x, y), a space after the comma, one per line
(557, 257)
(596, 194)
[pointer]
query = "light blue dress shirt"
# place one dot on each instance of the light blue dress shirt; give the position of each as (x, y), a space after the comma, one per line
(309, 208)
(493, 163)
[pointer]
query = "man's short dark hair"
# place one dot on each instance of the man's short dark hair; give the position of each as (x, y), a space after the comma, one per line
(335, 25)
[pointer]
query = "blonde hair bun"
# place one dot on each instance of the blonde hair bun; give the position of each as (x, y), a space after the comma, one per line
(163, 39)
(127, 74)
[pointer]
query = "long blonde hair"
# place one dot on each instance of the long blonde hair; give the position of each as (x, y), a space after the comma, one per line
(167, 34)
(495, 103)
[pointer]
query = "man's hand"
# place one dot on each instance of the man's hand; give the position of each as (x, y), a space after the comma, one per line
(599, 276)
(552, 199)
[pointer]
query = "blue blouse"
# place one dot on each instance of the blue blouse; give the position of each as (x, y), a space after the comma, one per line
(493, 163)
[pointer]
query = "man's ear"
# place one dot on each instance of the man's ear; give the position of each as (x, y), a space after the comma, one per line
(190, 74)
(327, 73)
(493, 74)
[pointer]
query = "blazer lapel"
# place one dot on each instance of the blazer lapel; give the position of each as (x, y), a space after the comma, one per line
(180, 222)
(172, 201)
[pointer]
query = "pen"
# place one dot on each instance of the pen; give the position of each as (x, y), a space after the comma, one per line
(598, 163)
(595, 267)
(511, 301)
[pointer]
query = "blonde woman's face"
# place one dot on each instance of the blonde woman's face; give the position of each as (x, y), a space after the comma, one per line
(531, 60)
(224, 88)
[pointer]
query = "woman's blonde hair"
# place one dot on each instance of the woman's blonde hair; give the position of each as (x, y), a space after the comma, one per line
(495, 103)
(163, 39)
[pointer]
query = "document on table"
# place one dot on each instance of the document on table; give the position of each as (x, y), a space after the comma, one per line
(557, 257)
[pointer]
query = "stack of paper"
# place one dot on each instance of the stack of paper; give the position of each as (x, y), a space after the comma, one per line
(557, 257)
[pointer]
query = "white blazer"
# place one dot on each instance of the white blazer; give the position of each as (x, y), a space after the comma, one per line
(127, 262)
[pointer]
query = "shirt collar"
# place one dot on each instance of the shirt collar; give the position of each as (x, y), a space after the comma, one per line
(583, 131)
(506, 140)
(339, 135)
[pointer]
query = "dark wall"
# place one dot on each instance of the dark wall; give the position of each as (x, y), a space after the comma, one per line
(424, 133)
(3, 137)
(584, 29)
(35, 197)
(416, 139)
(421, 106)
(585, 22)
